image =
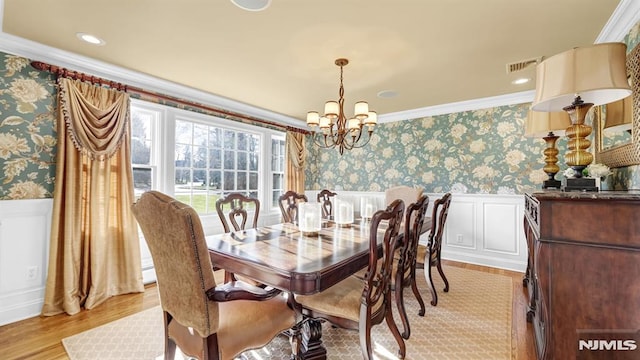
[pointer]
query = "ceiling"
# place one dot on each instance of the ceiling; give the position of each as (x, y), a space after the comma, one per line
(431, 52)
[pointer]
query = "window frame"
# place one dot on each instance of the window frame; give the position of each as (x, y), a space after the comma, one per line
(165, 164)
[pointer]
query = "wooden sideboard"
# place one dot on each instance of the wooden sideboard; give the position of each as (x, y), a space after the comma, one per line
(583, 273)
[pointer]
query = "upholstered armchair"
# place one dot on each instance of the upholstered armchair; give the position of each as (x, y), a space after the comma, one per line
(289, 205)
(205, 319)
(360, 303)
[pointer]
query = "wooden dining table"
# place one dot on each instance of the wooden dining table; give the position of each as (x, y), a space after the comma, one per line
(283, 257)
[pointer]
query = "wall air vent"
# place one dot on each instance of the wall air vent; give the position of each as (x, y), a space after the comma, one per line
(522, 65)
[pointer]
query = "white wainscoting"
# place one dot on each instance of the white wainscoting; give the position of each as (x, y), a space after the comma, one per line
(25, 227)
(483, 229)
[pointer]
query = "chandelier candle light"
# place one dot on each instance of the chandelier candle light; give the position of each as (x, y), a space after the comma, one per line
(589, 76)
(335, 129)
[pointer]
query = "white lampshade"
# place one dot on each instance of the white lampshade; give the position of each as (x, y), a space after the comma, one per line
(619, 115)
(372, 119)
(313, 118)
(596, 73)
(540, 123)
(354, 124)
(325, 123)
(361, 110)
(331, 109)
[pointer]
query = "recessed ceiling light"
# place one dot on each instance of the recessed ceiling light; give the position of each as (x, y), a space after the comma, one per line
(520, 81)
(91, 39)
(386, 94)
(252, 5)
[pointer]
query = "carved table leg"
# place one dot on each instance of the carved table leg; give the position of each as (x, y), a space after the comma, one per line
(306, 340)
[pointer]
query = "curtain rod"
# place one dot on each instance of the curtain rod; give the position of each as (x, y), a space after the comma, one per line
(72, 74)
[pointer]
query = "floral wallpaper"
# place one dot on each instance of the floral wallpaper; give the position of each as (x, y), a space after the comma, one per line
(481, 151)
(27, 130)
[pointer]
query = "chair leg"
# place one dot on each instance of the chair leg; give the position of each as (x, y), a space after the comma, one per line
(169, 344)
(416, 292)
(434, 295)
(444, 278)
(365, 341)
(398, 291)
(396, 333)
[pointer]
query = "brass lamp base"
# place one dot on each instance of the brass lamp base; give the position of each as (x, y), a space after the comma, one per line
(579, 184)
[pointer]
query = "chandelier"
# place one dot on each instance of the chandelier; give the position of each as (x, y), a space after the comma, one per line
(335, 129)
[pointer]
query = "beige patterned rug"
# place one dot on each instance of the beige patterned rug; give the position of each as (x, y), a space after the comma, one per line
(471, 321)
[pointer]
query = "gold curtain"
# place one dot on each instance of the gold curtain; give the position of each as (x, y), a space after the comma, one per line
(94, 251)
(296, 155)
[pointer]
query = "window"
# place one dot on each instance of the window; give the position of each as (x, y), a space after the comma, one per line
(277, 169)
(143, 126)
(211, 161)
(197, 158)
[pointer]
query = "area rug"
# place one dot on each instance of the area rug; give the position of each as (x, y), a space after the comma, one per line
(471, 321)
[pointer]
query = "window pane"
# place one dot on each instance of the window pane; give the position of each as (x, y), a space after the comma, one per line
(242, 160)
(253, 181)
(277, 181)
(242, 181)
(242, 141)
(253, 162)
(215, 180)
(183, 176)
(215, 159)
(276, 196)
(199, 156)
(229, 180)
(199, 178)
(200, 134)
(183, 155)
(229, 160)
(229, 140)
(254, 143)
(215, 137)
(141, 179)
(184, 132)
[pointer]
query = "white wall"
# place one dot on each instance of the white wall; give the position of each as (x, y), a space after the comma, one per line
(24, 249)
(483, 229)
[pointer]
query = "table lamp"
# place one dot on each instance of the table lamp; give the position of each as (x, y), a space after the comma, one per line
(549, 126)
(574, 81)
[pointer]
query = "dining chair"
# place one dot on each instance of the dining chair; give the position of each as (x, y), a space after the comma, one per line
(405, 193)
(237, 205)
(204, 319)
(405, 268)
(324, 197)
(237, 210)
(289, 205)
(431, 254)
(359, 304)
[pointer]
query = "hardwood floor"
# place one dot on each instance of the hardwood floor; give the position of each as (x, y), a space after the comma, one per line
(40, 337)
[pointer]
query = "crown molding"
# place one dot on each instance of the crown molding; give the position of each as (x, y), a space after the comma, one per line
(624, 17)
(468, 105)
